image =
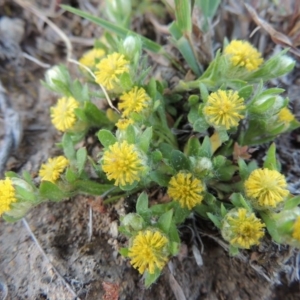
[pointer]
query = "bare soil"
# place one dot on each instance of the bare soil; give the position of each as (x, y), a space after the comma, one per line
(69, 250)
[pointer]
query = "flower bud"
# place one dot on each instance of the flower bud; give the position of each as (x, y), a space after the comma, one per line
(118, 10)
(133, 222)
(201, 165)
(132, 46)
(284, 64)
(56, 73)
(288, 226)
(267, 104)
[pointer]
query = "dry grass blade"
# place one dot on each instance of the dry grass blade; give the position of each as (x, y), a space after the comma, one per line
(276, 36)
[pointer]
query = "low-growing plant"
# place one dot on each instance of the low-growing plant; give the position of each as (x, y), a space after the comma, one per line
(191, 140)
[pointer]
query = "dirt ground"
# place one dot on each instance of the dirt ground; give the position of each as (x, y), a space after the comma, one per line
(69, 250)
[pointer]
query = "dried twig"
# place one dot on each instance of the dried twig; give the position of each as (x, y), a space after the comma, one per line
(41, 15)
(35, 60)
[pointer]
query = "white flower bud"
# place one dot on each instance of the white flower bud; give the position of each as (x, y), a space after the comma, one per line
(55, 73)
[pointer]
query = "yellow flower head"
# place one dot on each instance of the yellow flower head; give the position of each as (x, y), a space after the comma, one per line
(133, 101)
(91, 57)
(7, 195)
(122, 163)
(186, 190)
(110, 68)
(243, 54)
(296, 229)
(54, 167)
(62, 114)
(266, 187)
(242, 228)
(148, 251)
(224, 109)
(122, 124)
(285, 116)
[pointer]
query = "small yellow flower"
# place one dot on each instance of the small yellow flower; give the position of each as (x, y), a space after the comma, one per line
(296, 229)
(54, 167)
(186, 190)
(243, 54)
(62, 114)
(122, 163)
(224, 109)
(148, 251)
(285, 116)
(91, 57)
(266, 187)
(110, 68)
(7, 195)
(242, 228)
(122, 124)
(133, 101)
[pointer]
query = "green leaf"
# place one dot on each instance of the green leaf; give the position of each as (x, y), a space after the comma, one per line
(151, 278)
(239, 201)
(76, 90)
(202, 210)
(192, 147)
(51, 191)
(124, 252)
(129, 187)
(188, 54)
(130, 135)
(208, 7)
(27, 177)
(214, 219)
(245, 92)
(263, 107)
(205, 149)
(142, 204)
(151, 89)
(24, 194)
(164, 221)
(180, 214)
(233, 251)
(166, 150)
(159, 209)
(68, 146)
(94, 188)
(106, 138)
(292, 203)
(223, 135)
(183, 13)
(223, 210)
(204, 92)
(71, 175)
(193, 100)
(179, 161)
(271, 226)
(226, 172)
(81, 157)
(94, 115)
(145, 139)
(156, 156)
(200, 125)
(243, 169)
(270, 161)
(160, 178)
(173, 233)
